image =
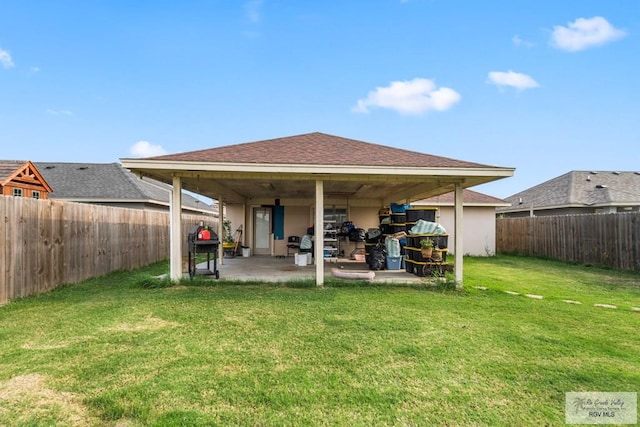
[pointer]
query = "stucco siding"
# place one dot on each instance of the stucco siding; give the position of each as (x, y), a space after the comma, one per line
(479, 228)
(296, 220)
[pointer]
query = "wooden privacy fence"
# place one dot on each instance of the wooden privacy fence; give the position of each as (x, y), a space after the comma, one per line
(46, 243)
(610, 240)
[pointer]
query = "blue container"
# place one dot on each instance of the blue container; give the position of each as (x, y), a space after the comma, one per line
(396, 208)
(393, 263)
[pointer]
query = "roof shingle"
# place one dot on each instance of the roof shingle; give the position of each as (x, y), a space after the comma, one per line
(105, 181)
(318, 149)
(9, 167)
(581, 188)
(468, 197)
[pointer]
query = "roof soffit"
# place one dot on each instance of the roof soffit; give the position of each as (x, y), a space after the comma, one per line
(246, 170)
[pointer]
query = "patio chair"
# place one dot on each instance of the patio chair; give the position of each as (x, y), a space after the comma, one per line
(293, 244)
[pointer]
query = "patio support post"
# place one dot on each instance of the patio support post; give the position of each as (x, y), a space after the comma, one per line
(244, 240)
(220, 230)
(318, 233)
(175, 232)
(458, 226)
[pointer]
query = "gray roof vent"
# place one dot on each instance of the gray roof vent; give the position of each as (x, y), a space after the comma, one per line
(602, 186)
(594, 172)
(588, 177)
(615, 173)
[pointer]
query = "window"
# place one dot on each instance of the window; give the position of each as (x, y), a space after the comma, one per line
(35, 194)
(17, 192)
(339, 215)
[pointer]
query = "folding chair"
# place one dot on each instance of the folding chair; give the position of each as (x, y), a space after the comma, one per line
(293, 244)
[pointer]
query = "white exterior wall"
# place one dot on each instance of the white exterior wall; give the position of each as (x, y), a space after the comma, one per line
(479, 229)
(234, 213)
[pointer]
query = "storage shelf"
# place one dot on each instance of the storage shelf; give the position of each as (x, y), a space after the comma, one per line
(331, 243)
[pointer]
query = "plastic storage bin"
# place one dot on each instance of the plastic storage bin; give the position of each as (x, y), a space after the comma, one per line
(393, 263)
(414, 214)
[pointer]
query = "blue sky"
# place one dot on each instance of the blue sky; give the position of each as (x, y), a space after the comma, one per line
(542, 86)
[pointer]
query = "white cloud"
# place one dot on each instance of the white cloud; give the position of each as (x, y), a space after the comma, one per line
(415, 96)
(517, 80)
(252, 8)
(5, 59)
(145, 149)
(585, 33)
(518, 42)
(59, 112)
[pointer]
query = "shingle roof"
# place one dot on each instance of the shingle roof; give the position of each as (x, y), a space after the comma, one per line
(8, 168)
(318, 149)
(581, 188)
(469, 197)
(105, 181)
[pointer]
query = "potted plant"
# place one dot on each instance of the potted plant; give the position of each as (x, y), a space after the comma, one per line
(228, 240)
(426, 247)
(436, 256)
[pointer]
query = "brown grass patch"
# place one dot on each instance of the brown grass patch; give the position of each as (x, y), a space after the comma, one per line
(32, 345)
(147, 324)
(36, 346)
(26, 398)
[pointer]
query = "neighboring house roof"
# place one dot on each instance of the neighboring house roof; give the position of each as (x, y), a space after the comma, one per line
(22, 171)
(109, 182)
(8, 168)
(580, 189)
(317, 149)
(469, 198)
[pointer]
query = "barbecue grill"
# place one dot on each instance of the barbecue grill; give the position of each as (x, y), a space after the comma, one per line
(201, 240)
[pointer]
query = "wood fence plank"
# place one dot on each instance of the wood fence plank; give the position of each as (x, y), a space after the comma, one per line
(30, 248)
(611, 240)
(4, 266)
(46, 243)
(16, 282)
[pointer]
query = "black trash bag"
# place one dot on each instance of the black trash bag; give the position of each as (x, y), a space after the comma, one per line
(374, 235)
(377, 257)
(357, 235)
(345, 228)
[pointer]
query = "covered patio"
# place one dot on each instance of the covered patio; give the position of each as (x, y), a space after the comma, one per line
(312, 171)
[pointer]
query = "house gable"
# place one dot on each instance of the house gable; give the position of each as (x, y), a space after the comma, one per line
(24, 176)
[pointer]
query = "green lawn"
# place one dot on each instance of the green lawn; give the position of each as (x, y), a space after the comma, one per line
(114, 351)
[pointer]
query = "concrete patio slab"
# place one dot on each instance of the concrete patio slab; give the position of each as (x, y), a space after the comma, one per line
(273, 269)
